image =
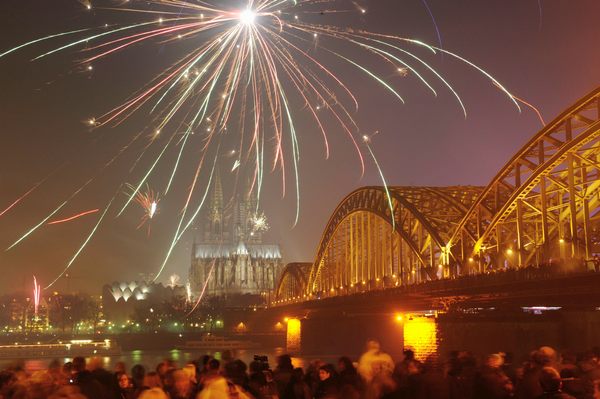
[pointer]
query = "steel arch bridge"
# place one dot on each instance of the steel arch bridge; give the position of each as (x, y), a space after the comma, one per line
(293, 281)
(543, 204)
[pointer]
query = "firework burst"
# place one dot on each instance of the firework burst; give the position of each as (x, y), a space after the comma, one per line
(148, 200)
(259, 222)
(255, 68)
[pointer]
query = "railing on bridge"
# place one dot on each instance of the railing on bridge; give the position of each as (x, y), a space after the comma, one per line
(482, 281)
(542, 206)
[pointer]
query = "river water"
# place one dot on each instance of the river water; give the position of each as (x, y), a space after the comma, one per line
(150, 358)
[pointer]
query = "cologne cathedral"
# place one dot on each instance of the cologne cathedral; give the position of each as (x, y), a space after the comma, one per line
(229, 257)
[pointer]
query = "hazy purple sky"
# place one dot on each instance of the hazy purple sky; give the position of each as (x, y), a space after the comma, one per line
(549, 59)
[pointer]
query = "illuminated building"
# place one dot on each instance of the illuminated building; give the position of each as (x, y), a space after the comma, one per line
(36, 319)
(229, 258)
(120, 299)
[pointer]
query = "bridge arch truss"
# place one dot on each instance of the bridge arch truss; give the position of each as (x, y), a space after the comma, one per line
(544, 204)
(368, 245)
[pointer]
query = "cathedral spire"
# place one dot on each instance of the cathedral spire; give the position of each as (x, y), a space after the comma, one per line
(216, 199)
(217, 195)
(214, 226)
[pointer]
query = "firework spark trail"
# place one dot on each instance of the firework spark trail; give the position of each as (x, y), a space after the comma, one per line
(212, 267)
(93, 37)
(20, 198)
(188, 292)
(136, 190)
(179, 231)
(251, 65)
(531, 106)
(84, 244)
(148, 201)
(307, 82)
(482, 71)
(77, 216)
(151, 169)
(534, 108)
(74, 194)
(435, 25)
(426, 65)
(367, 141)
(32, 189)
(43, 39)
(43, 221)
(36, 296)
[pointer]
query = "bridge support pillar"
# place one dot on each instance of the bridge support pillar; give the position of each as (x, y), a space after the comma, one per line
(293, 341)
(421, 335)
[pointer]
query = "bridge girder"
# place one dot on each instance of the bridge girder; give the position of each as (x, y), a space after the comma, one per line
(422, 222)
(550, 182)
(544, 203)
(293, 281)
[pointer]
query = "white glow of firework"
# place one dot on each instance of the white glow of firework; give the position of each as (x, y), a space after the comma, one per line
(203, 288)
(188, 292)
(247, 16)
(37, 289)
(152, 209)
(259, 222)
(174, 280)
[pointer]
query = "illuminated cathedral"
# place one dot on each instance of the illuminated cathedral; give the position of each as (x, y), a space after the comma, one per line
(228, 255)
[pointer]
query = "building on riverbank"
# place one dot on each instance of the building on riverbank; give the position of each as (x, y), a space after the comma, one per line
(229, 257)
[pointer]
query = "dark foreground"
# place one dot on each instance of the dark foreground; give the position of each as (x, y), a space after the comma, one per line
(547, 374)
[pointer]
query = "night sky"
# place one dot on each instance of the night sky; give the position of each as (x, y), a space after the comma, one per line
(548, 58)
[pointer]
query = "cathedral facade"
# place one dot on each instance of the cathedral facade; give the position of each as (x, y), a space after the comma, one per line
(228, 255)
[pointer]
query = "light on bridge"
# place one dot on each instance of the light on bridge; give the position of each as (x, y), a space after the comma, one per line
(398, 317)
(562, 240)
(293, 335)
(420, 334)
(509, 251)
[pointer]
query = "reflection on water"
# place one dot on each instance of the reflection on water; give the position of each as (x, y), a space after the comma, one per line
(294, 332)
(420, 334)
(150, 359)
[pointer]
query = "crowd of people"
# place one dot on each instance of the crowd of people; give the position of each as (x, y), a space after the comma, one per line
(546, 374)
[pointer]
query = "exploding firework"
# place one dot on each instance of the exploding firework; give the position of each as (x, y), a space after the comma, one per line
(259, 223)
(255, 68)
(148, 200)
